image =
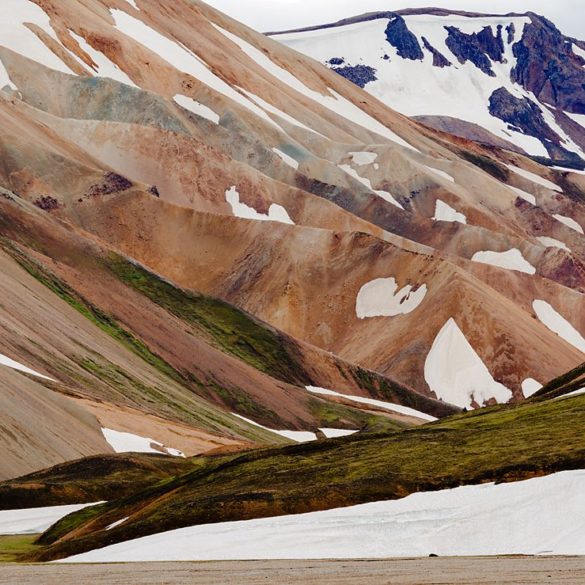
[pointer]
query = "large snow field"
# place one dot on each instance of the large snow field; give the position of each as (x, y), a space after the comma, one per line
(510, 260)
(542, 516)
(122, 442)
(381, 298)
(554, 321)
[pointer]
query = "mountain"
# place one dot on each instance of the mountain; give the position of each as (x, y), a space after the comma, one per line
(198, 222)
(512, 81)
(213, 248)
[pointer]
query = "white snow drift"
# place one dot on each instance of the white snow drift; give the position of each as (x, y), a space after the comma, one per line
(367, 183)
(530, 386)
(553, 243)
(456, 374)
(569, 222)
(298, 436)
(275, 212)
(510, 260)
(444, 212)
(542, 516)
(10, 363)
(35, 520)
(549, 317)
(122, 442)
(197, 108)
(371, 401)
(286, 158)
(381, 298)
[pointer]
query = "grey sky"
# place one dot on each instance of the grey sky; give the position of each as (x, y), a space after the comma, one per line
(263, 15)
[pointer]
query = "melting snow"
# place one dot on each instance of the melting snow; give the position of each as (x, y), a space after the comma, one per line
(117, 523)
(181, 58)
(549, 317)
(10, 363)
(333, 102)
(378, 403)
(444, 212)
(456, 374)
(275, 212)
(334, 433)
(524, 195)
(574, 393)
(298, 436)
(105, 67)
(530, 386)
(133, 4)
(363, 158)
(552, 243)
(510, 260)
(539, 516)
(16, 36)
(366, 182)
(129, 443)
(35, 520)
(441, 173)
(197, 108)
(289, 160)
(569, 222)
(5, 78)
(535, 178)
(381, 298)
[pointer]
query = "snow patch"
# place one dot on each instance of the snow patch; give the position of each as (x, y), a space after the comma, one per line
(122, 442)
(535, 178)
(552, 243)
(441, 173)
(456, 374)
(19, 38)
(197, 108)
(275, 212)
(35, 520)
(10, 363)
(363, 158)
(569, 222)
(510, 260)
(104, 67)
(133, 4)
(287, 159)
(398, 408)
(518, 518)
(366, 182)
(5, 78)
(381, 298)
(182, 59)
(530, 386)
(117, 523)
(444, 212)
(298, 436)
(554, 321)
(524, 195)
(334, 433)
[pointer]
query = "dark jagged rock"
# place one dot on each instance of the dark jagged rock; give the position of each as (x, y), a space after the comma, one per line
(359, 74)
(47, 203)
(468, 48)
(511, 30)
(439, 60)
(492, 45)
(548, 67)
(112, 183)
(336, 61)
(405, 42)
(524, 115)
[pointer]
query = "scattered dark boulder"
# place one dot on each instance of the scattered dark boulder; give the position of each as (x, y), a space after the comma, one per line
(112, 183)
(336, 61)
(154, 191)
(439, 60)
(47, 203)
(405, 42)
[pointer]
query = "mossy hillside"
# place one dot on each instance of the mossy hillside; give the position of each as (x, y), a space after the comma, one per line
(494, 444)
(231, 329)
(91, 479)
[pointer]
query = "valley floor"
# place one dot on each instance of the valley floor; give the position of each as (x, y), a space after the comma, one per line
(444, 571)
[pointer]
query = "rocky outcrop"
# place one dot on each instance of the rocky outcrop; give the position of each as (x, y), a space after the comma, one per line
(405, 42)
(548, 67)
(439, 60)
(469, 48)
(361, 75)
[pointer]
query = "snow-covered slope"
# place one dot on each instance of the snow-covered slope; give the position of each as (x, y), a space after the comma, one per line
(542, 516)
(459, 71)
